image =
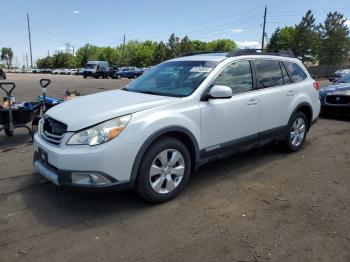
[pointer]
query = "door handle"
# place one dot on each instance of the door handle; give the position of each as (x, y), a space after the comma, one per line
(290, 93)
(252, 102)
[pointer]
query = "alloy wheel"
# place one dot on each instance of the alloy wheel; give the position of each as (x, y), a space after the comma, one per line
(167, 171)
(297, 133)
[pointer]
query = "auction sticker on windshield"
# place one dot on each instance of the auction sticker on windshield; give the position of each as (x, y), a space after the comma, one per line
(201, 69)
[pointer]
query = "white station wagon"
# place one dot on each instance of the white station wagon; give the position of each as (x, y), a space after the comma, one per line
(152, 134)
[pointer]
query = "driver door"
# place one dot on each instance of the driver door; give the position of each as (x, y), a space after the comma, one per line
(231, 123)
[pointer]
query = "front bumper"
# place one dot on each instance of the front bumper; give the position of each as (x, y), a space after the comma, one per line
(63, 177)
(335, 110)
(112, 160)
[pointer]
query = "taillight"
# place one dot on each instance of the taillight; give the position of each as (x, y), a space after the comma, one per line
(316, 85)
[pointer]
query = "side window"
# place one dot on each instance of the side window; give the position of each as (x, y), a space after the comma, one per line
(268, 73)
(238, 76)
(286, 79)
(296, 73)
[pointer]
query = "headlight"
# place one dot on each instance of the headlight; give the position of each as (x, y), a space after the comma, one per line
(100, 133)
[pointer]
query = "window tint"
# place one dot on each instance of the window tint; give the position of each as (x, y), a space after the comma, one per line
(238, 76)
(268, 73)
(286, 79)
(295, 72)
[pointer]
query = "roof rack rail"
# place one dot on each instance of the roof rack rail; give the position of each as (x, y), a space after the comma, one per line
(285, 53)
(201, 53)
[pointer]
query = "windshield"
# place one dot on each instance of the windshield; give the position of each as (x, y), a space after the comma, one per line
(344, 79)
(90, 66)
(175, 78)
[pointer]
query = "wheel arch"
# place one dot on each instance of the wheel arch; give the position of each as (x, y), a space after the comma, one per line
(305, 108)
(179, 132)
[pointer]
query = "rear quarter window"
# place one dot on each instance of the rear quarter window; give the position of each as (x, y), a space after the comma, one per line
(296, 73)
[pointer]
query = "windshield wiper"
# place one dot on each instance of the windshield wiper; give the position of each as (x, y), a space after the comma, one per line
(148, 92)
(140, 91)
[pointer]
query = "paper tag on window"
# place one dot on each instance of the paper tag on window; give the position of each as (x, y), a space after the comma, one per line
(200, 69)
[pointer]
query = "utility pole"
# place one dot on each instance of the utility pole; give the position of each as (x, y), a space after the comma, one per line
(30, 43)
(73, 49)
(123, 58)
(263, 34)
(27, 59)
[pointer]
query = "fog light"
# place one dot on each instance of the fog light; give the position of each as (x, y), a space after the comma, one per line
(92, 179)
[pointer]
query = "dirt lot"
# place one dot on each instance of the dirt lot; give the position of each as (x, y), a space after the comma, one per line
(262, 205)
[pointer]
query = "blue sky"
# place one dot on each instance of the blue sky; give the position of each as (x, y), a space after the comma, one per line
(53, 23)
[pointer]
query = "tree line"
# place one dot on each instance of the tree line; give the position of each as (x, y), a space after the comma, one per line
(135, 53)
(327, 43)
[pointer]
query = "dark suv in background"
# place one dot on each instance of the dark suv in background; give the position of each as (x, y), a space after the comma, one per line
(128, 72)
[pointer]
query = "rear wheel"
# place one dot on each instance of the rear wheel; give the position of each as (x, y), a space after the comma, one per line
(297, 131)
(164, 170)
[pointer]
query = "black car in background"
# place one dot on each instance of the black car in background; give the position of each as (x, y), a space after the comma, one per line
(2, 74)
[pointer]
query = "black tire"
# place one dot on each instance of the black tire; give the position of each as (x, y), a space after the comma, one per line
(143, 184)
(119, 77)
(84, 76)
(8, 132)
(134, 77)
(287, 144)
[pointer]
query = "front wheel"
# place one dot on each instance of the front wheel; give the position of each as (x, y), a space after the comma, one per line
(297, 131)
(164, 171)
(119, 77)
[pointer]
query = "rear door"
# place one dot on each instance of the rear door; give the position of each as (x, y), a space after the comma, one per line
(277, 93)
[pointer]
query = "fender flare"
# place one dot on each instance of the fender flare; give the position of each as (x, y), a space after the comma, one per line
(297, 108)
(153, 138)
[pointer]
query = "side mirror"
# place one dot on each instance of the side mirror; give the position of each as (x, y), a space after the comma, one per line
(220, 92)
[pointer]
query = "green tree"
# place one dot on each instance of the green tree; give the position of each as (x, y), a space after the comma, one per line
(173, 46)
(282, 39)
(222, 45)
(7, 56)
(185, 45)
(336, 43)
(198, 45)
(46, 62)
(86, 53)
(160, 53)
(307, 38)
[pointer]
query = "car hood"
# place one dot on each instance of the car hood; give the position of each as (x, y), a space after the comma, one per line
(89, 110)
(336, 89)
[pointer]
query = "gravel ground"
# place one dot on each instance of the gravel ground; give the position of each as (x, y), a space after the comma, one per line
(263, 205)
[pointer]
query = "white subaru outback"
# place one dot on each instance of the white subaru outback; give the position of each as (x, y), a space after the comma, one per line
(152, 134)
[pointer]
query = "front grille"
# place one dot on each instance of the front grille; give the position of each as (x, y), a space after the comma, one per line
(338, 99)
(52, 130)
